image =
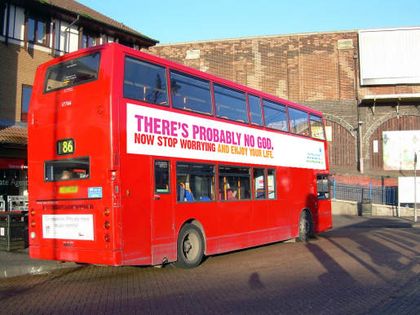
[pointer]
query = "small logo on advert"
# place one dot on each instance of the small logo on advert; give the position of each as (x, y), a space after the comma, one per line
(95, 192)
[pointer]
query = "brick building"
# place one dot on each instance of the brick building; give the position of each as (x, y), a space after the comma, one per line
(31, 33)
(325, 71)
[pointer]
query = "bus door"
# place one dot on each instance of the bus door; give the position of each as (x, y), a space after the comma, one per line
(162, 210)
(324, 202)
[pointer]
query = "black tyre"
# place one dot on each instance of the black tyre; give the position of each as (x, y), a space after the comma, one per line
(305, 226)
(190, 247)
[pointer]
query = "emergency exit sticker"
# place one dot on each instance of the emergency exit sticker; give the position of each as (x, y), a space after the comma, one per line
(95, 192)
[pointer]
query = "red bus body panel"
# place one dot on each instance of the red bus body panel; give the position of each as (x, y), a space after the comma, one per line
(131, 224)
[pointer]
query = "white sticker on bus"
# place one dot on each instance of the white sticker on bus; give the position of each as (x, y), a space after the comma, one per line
(158, 132)
(68, 226)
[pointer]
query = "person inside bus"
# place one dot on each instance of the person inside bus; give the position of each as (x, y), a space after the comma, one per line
(230, 192)
(66, 175)
(185, 193)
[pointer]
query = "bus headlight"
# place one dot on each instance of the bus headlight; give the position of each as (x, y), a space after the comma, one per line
(33, 235)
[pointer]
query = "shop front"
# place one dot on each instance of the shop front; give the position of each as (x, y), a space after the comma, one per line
(13, 185)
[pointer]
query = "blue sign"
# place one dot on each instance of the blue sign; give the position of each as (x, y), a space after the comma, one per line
(95, 192)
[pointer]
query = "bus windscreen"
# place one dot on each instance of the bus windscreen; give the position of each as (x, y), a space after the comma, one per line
(72, 72)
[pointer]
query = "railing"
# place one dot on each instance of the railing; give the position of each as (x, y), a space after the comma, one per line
(387, 195)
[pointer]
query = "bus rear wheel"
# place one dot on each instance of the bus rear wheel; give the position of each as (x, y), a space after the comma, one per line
(305, 226)
(190, 246)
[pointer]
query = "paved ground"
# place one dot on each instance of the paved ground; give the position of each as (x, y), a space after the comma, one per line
(362, 266)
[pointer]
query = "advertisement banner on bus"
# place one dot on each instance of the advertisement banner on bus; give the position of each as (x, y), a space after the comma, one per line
(158, 132)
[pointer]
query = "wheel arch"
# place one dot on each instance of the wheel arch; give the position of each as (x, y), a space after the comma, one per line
(199, 225)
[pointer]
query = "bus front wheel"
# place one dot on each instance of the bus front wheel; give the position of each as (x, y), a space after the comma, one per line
(305, 226)
(190, 246)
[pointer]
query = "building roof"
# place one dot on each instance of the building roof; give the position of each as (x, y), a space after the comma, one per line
(75, 8)
(14, 134)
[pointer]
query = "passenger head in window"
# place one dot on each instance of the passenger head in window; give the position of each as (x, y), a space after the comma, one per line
(232, 192)
(66, 175)
(184, 193)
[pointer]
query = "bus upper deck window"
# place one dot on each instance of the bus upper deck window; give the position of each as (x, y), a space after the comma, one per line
(317, 127)
(72, 72)
(144, 81)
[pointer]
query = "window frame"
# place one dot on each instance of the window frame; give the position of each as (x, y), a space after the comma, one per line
(155, 189)
(88, 36)
(321, 121)
(323, 180)
(78, 83)
(211, 100)
(249, 96)
(165, 79)
(62, 161)
(3, 19)
(286, 114)
(37, 20)
(221, 183)
(264, 174)
(24, 115)
(274, 183)
(213, 185)
(292, 125)
(231, 108)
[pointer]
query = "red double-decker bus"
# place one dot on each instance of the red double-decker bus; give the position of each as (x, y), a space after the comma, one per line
(136, 160)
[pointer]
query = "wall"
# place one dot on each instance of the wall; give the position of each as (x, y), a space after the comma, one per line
(344, 207)
(18, 67)
(319, 70)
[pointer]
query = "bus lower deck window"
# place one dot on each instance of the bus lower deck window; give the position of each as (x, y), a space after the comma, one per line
(67, 169)
(234, 183)
(271, 183)
(195, 182)
(161, 176)
(259, 183)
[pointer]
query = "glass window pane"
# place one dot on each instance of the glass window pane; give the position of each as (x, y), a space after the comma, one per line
(298, 121)
(323, 186)
(31, 29)
(230, 104)
(190, 93)
(91, 41)
(145, 82)
(271, 184)
(41, 33)
(195, 182)
(84, 41)
(234, 183)
(26, 98)
(68, 169)
(72, 72)
(275, 116)
(317, 127)
(259, 183)
(255, 109)
(161, 176)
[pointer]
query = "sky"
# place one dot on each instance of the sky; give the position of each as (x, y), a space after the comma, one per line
(176, 21)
